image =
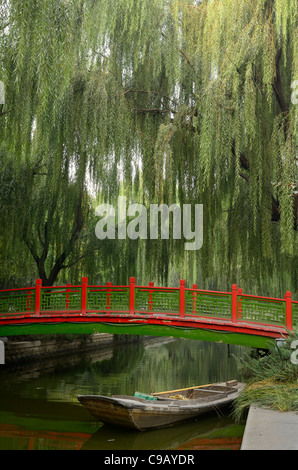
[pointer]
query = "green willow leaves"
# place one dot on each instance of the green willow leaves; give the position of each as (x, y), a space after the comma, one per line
(167, 101)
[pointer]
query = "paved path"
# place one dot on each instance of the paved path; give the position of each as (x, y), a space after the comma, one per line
(270, 430)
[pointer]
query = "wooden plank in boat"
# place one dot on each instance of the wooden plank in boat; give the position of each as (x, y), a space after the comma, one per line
(179, 390)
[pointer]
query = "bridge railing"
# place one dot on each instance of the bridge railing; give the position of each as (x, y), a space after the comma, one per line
(109, 299)
(17, 300)
(295, 312)
(182, 302)
(66, 299)
(208, 303)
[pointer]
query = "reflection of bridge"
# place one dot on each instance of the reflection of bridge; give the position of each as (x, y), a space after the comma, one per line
(146, 310)
(40, 439)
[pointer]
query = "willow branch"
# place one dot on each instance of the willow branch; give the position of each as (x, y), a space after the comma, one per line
(187, 58)
(197, 8)
(4, 26)
(243, 159)
(277, 85)
(151, 110)
(84, 255)
(2, 113)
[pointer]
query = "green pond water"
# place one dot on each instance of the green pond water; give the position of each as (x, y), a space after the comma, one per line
(39, 408)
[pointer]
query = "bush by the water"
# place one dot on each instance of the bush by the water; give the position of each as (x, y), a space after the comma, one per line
(271, 377)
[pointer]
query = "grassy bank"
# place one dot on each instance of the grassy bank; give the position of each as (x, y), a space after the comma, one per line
(271, 377)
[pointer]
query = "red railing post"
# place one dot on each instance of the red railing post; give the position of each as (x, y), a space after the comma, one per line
(240, 306)
(288, 299)
(68, 290)
(151, 284)
(234, 303)
(109, 284)
(28, 305)
(182, 298)
(132, 283)
(194, 299)
(37, 296)
(84, 295)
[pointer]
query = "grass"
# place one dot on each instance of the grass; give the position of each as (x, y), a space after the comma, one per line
(272, 379)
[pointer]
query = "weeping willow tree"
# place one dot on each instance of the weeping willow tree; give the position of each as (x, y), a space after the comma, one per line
(168, 100)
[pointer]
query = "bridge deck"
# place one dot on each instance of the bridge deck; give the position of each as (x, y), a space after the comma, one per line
(184, 308)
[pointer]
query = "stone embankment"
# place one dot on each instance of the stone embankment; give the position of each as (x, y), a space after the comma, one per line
(18, 350)
(23, 349)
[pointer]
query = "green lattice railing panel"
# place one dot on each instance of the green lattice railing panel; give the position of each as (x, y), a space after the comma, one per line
(145, 300)
(295, 314)
(60, 299)
(17, 301)
(96, 299)
(264, 311)
(108, 298)
(148, 299)
(208, 304)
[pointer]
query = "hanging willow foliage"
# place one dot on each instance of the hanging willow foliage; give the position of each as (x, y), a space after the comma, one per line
(168, 101)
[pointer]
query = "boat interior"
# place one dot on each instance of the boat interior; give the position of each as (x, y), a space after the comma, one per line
(206, 393)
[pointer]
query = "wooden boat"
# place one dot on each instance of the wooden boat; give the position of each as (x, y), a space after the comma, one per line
(156, 410)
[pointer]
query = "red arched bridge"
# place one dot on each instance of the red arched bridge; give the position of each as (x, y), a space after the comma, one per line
(160, 311)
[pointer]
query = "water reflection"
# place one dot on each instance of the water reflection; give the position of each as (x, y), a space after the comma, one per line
(209, 428)
(39, 407)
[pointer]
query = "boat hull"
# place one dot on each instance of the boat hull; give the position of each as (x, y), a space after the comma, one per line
(142, 415)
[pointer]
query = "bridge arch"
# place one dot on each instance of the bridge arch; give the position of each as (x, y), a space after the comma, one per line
(230, 317)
